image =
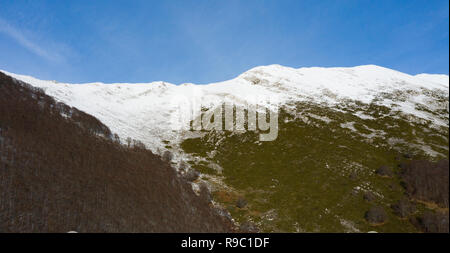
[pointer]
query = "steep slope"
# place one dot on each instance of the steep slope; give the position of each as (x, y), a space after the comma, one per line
(323, 174)
(60, 171)
(143, 111)
(337, 128)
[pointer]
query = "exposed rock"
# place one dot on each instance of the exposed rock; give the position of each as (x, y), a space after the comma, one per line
(224, 213)
(249, 227)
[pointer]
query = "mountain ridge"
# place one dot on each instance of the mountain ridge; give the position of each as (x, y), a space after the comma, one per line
(337, 128)
(142, 111)
(441, 76)
(61, 171)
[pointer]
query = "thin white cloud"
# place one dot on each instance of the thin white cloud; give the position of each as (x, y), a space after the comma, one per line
(25, 42)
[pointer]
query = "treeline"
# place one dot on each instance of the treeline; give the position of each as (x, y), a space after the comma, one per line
(63, 170)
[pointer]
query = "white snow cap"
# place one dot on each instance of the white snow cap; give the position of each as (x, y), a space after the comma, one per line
(142, 111)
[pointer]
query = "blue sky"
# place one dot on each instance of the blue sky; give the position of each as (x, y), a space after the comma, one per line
(207, 41)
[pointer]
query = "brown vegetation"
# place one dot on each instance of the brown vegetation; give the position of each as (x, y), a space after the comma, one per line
(403, 208)
(376, 215)
(62, 170)
(427, 181)
(432, 222)
(384, 171)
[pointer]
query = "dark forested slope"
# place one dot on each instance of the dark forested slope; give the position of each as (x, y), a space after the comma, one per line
(60, 170)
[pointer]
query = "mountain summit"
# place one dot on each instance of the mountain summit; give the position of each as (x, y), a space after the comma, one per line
(142, 110)
(358, 149)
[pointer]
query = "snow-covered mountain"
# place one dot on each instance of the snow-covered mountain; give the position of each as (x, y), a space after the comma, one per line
(345, 135)
(143, 111)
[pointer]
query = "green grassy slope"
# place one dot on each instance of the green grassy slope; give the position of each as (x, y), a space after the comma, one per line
(313, 176)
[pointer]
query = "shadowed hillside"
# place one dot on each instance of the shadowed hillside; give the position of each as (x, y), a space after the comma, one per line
(60, 170)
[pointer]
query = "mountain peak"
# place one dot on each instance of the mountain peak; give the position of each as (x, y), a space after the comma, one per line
(141, 111)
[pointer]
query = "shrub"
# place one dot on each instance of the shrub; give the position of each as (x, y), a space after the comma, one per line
(369, 196)
(403, 208)
(167, 156)
(376, 215)
(241, 203)
(384, 171)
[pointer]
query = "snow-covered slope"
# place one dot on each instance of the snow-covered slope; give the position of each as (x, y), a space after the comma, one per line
(143, 111)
